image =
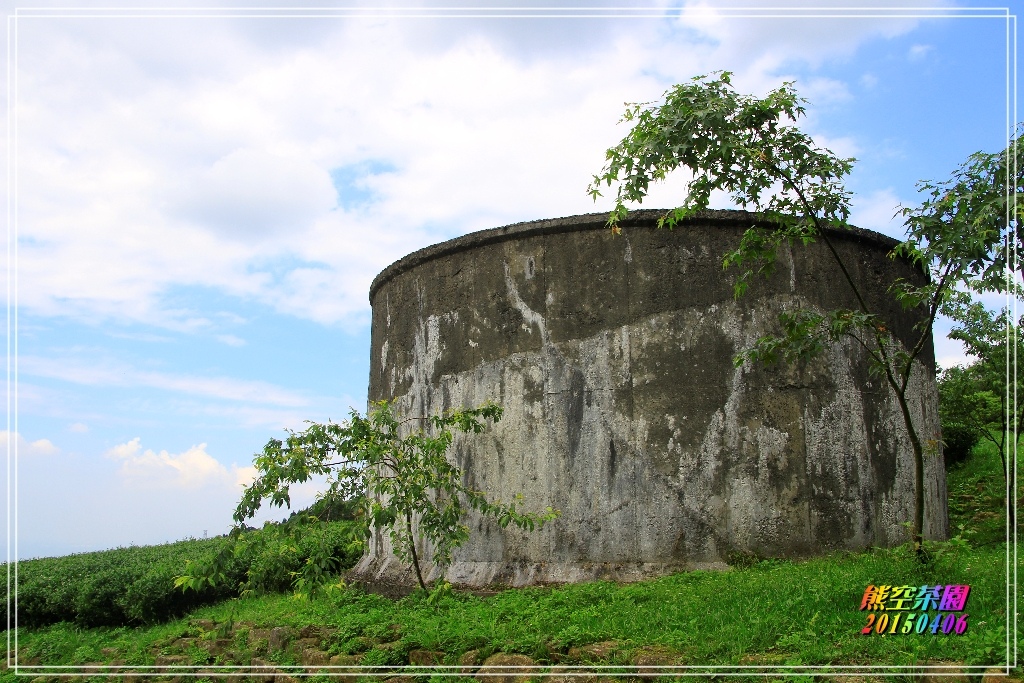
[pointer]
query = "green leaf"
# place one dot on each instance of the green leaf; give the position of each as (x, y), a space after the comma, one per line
(405, 477)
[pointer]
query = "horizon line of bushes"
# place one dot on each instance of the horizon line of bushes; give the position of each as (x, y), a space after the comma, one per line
(135, 585)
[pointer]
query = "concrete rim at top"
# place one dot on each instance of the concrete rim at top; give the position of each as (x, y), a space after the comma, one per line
(591, 221)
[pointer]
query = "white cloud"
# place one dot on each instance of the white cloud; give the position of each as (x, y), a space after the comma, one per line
(78, 428)
(25, 448)
(201, 177)
(246, 416)
(877, 211)
(918, 52)
(42, 447)
(249, 194)
(108, 373)
(843, 147)
(244, 476)
(332, 408)
(137, 497)
(191, 469)
(231, 340)
(948, 352)
(823, 92)
(51, 402)
(141, 336)
(778, 36)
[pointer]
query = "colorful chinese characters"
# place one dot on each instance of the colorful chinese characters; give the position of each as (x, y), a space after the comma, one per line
(909, 607)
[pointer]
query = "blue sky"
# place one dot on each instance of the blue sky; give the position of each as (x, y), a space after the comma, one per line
(201, 202)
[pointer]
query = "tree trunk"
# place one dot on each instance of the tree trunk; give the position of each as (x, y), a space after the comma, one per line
(412, 547)
(917, 533)
(1008, 485)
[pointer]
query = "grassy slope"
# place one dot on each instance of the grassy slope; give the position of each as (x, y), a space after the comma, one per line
(774, 612)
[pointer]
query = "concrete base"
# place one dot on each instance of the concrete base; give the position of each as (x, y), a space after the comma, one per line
(513, 574)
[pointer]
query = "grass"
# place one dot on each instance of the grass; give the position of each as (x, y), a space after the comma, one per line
(771, 613)
(977, 494)
(135, 585)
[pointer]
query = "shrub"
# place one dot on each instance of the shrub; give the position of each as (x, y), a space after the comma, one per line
(129, 586)
(98, 602)
(958, 440)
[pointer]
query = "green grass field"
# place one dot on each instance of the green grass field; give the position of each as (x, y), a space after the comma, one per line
(768, 614)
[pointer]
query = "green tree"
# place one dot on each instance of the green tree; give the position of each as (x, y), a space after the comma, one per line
(748, 147)
(979, 200)
(964, 410)
(408, 484)
(979, 398)
(997, 345)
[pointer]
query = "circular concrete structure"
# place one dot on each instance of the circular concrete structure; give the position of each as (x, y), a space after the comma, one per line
(613, 359)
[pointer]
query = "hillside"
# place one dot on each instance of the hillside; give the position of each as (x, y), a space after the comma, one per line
(772, 615)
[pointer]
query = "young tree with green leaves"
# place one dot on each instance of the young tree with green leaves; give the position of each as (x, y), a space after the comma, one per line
(979, 199)
(981, 396)
(965, 408)
(979, 196)
(408, 484)
(748, 147)
(995, 342)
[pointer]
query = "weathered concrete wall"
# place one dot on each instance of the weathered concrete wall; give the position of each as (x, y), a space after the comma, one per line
(612, 357)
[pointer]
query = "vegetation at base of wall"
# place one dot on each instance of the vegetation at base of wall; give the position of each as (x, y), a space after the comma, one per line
(977, 497)
(774, 613)
(136, 585)
(768, 613)
(396, 472)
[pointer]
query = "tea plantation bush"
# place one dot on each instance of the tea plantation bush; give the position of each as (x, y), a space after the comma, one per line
(128, 586)
(274, 555)
(95, 589)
